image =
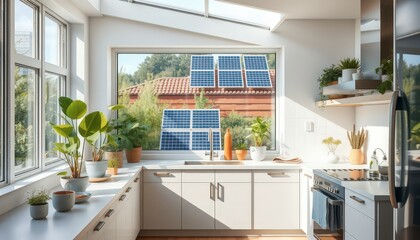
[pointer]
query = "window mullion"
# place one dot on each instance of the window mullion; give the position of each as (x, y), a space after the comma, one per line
(40, 98)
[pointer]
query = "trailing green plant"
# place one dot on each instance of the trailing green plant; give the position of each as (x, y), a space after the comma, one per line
(329, 74)
(386, 68)
(260, 131)
(331, 143)
(37, 197)
(349, 63)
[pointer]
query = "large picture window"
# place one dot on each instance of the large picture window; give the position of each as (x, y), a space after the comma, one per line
(236, 86)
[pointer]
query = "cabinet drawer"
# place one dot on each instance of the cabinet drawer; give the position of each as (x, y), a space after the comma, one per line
(360, 203)
(162, 176)
(276, 176)
(198, 176)
(233, 176)
(358, 225)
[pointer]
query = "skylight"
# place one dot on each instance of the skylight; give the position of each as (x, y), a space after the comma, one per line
(223, 11)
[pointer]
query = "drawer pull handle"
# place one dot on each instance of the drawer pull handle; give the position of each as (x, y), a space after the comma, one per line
(212, 190)
(307, 175)
(99, 226)
(136, 180)
(361, 201)
(123, 197)
(277, 174)
(109, 213)
(162, 174)
(128, 189)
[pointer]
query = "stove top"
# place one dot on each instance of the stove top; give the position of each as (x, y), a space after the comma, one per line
(352, 174)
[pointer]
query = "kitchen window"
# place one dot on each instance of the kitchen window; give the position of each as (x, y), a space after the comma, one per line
(40, 76)
(152, 84)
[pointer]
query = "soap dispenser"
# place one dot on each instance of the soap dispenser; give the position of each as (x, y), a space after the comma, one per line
(373, 165)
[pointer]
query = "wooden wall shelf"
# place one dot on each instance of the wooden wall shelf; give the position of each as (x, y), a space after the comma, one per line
(372, 99)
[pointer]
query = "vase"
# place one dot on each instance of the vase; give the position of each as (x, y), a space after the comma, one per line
(241, 154)
(63, 201)
(228, 145)
(115, 155)
(258, 153)
(75, 184)
(133, 155)
(332, 158)
(347, 74)
(96, 169)
(38, 211)
(356, 157)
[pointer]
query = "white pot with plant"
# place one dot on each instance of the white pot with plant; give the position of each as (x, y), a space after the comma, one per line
(349, 66)
(38, 201)
(260, 131)
(332, 145)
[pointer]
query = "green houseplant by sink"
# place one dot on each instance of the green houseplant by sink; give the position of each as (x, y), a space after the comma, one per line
(260, 131)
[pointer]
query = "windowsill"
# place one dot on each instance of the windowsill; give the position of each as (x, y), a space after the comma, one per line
(13, 195)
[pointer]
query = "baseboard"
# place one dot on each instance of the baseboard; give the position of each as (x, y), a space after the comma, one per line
(221, 233)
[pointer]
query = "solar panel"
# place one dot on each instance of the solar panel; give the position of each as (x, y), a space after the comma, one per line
(258, 79)
(200, 141)
(202, 79)
(208, 118)
(229, 63)
(255, 62)
(176, 118)
(175, 141)
(202, 62)
(230, 79)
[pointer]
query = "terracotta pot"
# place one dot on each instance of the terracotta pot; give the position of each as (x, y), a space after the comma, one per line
(241, 154)
(356, 157)
(112, 170)
(133, 155)
(115, 155)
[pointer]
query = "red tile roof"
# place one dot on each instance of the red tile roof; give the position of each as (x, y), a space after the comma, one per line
(181, 86)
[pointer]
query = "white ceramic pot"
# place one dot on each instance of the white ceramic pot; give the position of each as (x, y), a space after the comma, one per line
(357, 76)
(258, 153)
(63, 201)
(74, 184)
(96, 169)
(38, 211)
(332, 158)
(347, 74)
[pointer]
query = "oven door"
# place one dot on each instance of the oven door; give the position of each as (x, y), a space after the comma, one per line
(327, 215)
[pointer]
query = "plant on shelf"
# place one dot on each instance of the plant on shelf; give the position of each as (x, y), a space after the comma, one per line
(386, 73)
(349, 66)
(328, 77)
(38, 201)
(260, 131)
(332, 145)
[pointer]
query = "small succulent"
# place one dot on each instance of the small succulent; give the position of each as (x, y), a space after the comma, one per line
(348, 63)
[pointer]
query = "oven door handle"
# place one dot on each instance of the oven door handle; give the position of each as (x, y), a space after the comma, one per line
(330, 198)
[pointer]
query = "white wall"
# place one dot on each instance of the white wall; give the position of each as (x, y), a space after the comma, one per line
(309, 46)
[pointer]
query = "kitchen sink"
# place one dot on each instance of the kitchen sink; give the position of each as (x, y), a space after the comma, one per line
(230, 162)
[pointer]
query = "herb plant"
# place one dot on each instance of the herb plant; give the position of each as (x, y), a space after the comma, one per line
(37, 197)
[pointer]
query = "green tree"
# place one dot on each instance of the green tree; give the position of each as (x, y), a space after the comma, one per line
(201, 101)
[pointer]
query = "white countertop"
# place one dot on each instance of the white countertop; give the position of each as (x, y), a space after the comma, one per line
(17, 223)
(374, 190)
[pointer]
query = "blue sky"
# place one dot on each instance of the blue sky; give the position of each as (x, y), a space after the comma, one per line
(130, 62)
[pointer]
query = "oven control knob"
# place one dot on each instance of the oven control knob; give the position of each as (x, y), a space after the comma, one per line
(336, 191)
(329, 189)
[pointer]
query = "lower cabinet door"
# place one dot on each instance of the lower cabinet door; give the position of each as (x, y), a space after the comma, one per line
(233, 206)
(162, 206)
(276, 205)
(124, 218)
(198, 205)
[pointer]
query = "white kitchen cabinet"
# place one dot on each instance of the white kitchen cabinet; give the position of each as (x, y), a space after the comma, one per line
(127, 213)
(198, 205)
(136, 201)
(162, 200)
(366, 219)
(276, 199)
(306, 183)
(104, 227)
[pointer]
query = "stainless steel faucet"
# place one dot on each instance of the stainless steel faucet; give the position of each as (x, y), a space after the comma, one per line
(211, 152)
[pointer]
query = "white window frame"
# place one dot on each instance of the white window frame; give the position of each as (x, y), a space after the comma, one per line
(196, 155)
(38, 63)
(3, 99)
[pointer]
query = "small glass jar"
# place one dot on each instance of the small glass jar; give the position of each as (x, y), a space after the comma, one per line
(383, 168)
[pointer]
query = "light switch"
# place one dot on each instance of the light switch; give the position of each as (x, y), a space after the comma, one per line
(309, 126)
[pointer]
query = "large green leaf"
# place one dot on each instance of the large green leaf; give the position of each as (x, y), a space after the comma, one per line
(76, 110)
(64, 103)
(91, 124)
(93, 138)
(64, 130)
(116, 107)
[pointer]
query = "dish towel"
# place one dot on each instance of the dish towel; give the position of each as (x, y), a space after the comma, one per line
(284, 159)
(319, 209)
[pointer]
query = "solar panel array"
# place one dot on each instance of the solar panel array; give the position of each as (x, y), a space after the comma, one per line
(256, 71)
(230, 72)
(185, 129)
(202, 71)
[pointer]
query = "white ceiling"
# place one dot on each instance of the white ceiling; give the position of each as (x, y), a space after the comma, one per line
(308, 9)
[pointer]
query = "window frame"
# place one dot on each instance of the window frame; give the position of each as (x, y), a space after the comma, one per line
(191, 154)
(3, 86)
(42, 68)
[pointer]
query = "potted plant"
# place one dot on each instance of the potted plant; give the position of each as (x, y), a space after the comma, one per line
(241, 150)
(349, 66)
(328, 77)
(112, 167)
(332, 145)
(37, 199)
(114, 151)
(385, 72)
(71, 147)
(260, 131)
(239, 142)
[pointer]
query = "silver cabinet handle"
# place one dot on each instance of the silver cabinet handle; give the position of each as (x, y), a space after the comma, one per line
(220, 192)
(361, 201)
(307, 175)
(136, 180)
(212, 191)
(162, 174)
(128, 189)
(99, 226)
(123, 197)
(109, 213)
(276, 174)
